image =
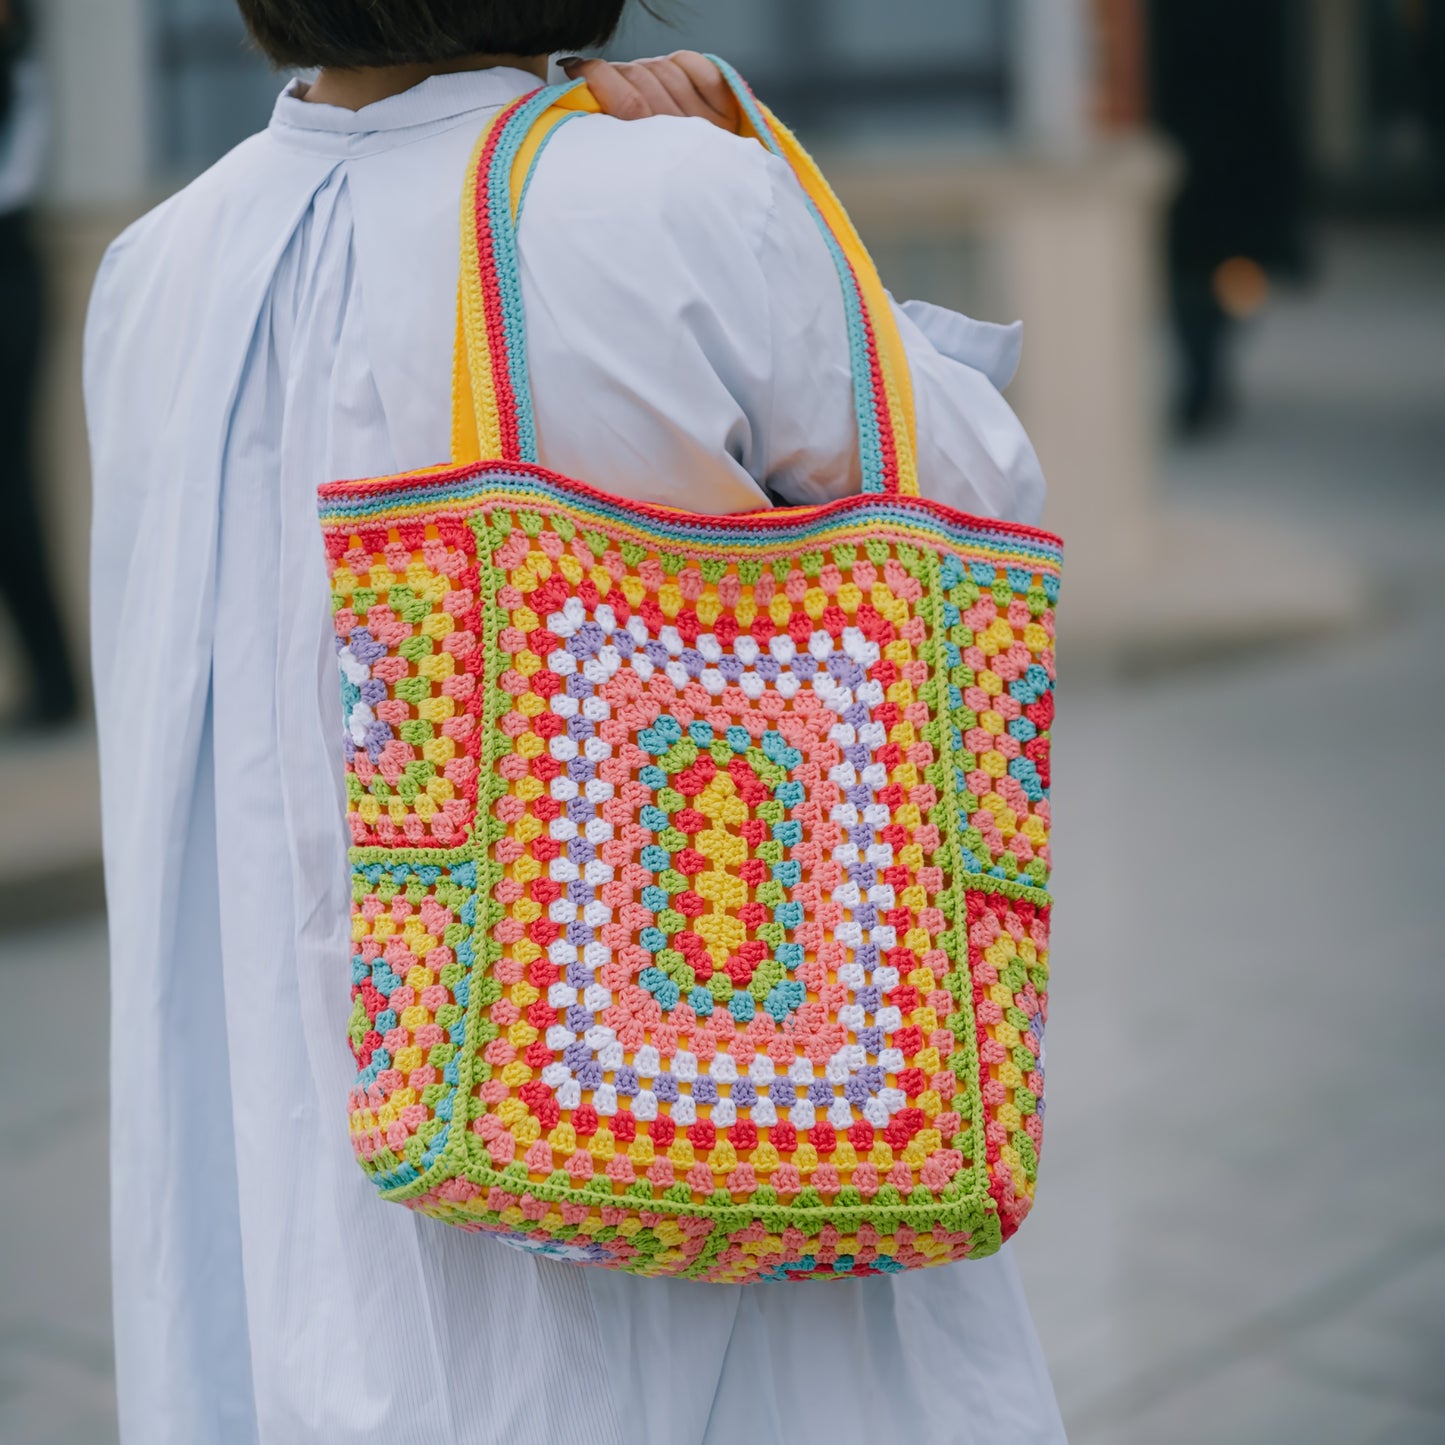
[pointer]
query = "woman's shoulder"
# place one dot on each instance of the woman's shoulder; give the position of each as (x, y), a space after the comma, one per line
(239, 202)
(204, 252)
(664, 179)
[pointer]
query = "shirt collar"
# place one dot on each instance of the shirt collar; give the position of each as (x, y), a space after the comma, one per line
(431, 105)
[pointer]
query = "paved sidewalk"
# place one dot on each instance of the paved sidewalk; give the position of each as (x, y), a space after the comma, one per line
(1241, 1229)
(50, 854)
(56, 1385)
(1241, 1235)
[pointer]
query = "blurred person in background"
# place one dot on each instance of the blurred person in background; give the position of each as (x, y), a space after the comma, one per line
(26, 587)
(287, 320)
(1223, 88)
(1404, 68)
(1432, 83)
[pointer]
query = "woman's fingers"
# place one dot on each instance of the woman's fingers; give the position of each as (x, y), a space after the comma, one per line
(678, 85)
(710, 87)
(682, 84)
(614, 91)
(647, 77)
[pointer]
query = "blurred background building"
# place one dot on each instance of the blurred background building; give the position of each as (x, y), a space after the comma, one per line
(1223, 222)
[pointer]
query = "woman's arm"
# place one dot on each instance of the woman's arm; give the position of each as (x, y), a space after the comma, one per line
(973, 453)
(778, 341)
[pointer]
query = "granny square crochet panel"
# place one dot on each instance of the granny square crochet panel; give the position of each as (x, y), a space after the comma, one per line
(698, 870)
(698, 889)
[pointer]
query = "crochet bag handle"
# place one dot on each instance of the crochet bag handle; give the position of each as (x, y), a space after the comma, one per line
(492, 416)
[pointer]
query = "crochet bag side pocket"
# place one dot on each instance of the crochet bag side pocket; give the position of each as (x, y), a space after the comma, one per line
(699, 863)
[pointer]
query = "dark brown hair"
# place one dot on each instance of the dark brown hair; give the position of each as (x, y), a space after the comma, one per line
(352, 34)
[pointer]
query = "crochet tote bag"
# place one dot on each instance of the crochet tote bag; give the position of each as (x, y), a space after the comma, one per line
(698, 862)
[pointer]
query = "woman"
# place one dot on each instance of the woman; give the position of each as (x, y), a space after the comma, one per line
(285, 320)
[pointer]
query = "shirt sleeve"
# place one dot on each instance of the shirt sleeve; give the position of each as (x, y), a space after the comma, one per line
(973, 453)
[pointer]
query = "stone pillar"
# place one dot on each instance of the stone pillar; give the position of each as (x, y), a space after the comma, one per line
(1053, 74)
(1078, 250)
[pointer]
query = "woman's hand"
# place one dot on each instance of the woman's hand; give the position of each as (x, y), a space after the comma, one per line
(683, 83)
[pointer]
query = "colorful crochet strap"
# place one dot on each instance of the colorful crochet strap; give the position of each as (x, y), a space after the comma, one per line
(491, 397)
(492, 408)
